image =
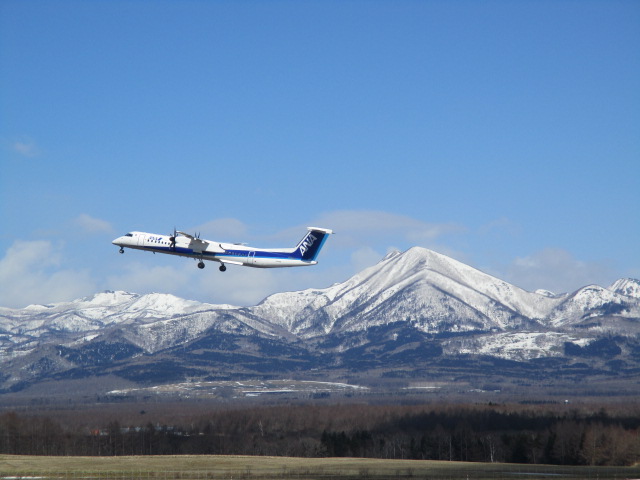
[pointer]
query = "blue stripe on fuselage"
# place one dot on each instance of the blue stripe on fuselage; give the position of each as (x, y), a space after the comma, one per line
(231, 254)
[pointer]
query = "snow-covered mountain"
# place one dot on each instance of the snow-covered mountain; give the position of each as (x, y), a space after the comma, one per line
(434, 291)
(626, 286)
(414, 312)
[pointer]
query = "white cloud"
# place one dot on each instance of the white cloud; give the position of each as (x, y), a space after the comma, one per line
(91, 225)
(31, 272)
(26, 148)
(140, 277)
(181, 277)
(557, 270)
(374, 227)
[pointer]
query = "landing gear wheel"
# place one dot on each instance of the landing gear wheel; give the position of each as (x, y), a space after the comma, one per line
(121, 250)
(223, 268)
(201, 265)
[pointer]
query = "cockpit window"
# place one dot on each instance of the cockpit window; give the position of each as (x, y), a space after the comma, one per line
(129, 235)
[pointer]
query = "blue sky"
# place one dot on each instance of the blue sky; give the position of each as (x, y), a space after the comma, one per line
(505, 134)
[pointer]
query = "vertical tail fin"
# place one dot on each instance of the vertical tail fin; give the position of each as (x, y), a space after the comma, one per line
(310, 245)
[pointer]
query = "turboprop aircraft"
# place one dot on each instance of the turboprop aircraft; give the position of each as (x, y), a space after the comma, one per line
(186, 245)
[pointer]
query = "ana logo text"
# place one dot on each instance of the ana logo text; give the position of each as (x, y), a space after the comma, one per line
(306, 243)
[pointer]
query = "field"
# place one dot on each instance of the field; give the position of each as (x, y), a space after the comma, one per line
(14, 467)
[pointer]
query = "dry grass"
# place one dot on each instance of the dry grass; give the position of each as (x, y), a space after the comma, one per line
(247, 467)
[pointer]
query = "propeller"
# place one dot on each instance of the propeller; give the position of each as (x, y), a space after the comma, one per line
(172, 239)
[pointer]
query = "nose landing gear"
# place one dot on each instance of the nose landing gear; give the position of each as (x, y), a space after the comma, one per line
(121, 250)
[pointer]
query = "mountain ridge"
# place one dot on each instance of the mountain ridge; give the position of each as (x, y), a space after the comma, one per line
(415, 313)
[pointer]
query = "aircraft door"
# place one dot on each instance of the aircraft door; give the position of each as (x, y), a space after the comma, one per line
(251, 258)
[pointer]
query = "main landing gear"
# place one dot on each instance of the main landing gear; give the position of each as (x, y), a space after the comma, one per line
(223, 267)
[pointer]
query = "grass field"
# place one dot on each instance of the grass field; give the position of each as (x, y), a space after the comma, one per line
(14, 467)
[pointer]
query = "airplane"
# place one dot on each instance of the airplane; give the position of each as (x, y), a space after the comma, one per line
(186, 245)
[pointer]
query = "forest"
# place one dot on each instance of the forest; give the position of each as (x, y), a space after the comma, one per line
(540, 434)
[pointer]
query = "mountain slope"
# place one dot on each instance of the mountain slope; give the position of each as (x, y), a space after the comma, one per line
(626, 286)
(415, 314)
(435, 291)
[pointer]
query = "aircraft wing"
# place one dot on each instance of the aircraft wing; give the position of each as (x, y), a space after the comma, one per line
(188, 235)
(195, 243)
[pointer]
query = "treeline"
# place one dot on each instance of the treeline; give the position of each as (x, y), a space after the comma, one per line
(455, 433)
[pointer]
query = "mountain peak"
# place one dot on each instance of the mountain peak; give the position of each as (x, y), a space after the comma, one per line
(444, 265)
(108, 297)
(626, 286)
(393, 253)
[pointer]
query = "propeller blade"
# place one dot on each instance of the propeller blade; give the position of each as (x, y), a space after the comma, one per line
(172, 239)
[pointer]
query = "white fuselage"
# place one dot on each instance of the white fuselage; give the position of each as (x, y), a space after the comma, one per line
(189, 246)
